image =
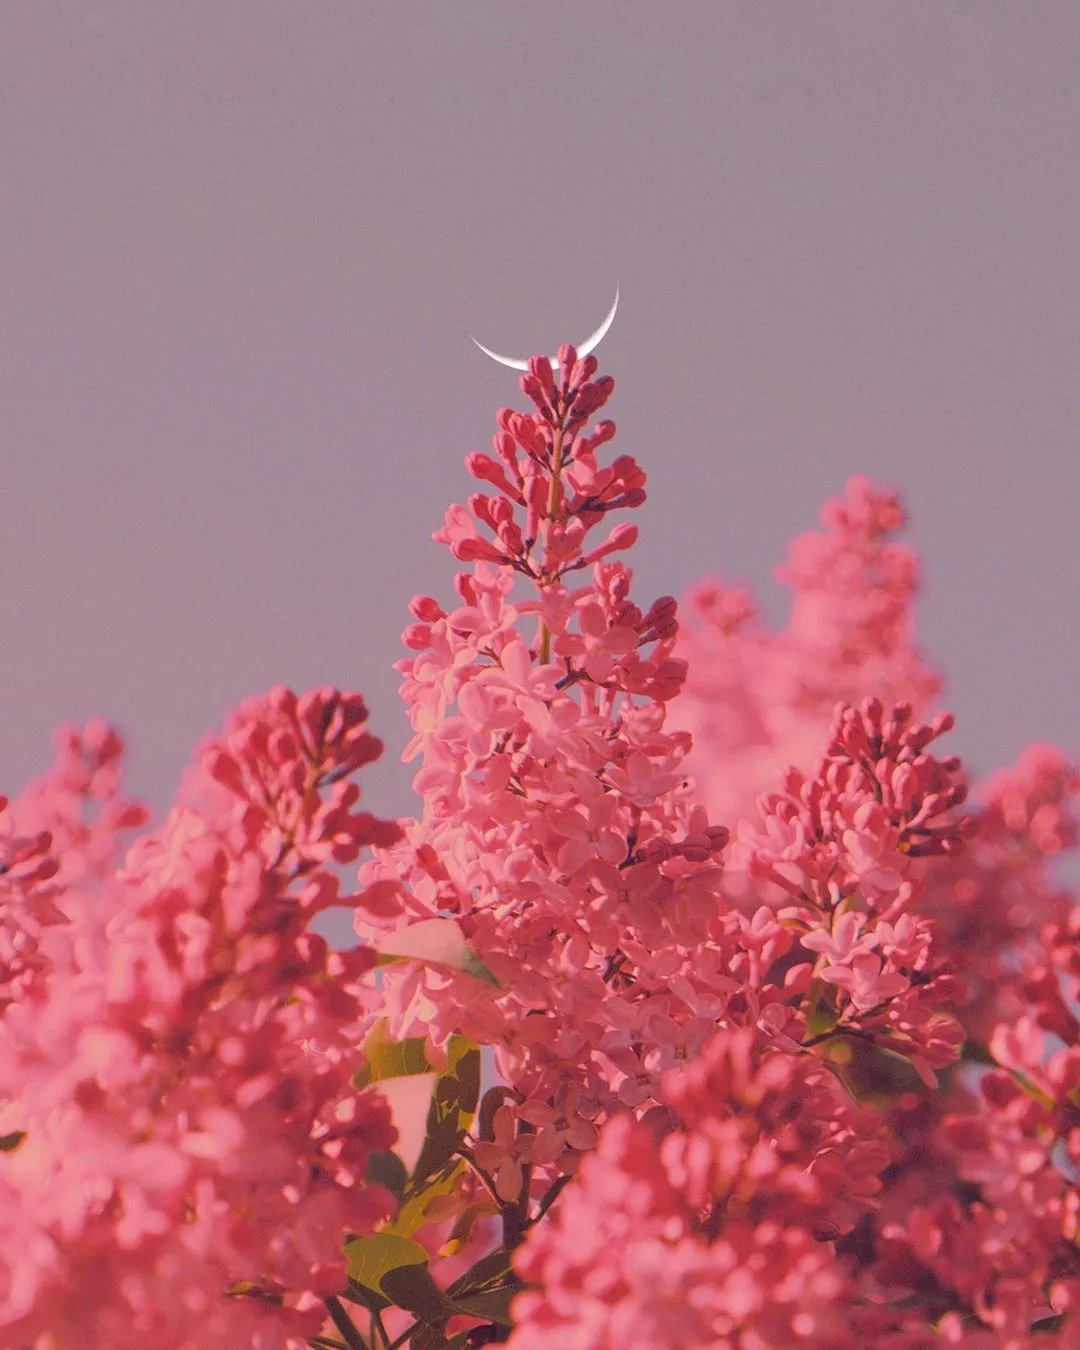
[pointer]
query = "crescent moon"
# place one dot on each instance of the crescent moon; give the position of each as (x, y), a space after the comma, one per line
(586, 347)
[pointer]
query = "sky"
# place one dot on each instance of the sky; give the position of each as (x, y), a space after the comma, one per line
(243, 247)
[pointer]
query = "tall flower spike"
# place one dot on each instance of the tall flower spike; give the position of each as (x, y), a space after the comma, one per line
(557, 824)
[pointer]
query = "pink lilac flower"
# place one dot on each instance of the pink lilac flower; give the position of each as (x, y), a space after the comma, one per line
(183, 1137)
(699, 1242)
(557, 822)
(786, 1026)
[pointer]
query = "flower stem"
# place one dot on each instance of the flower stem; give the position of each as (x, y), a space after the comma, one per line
(552, 505)
(344, 1324)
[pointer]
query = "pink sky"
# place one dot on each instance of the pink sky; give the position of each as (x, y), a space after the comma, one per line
(244, 246)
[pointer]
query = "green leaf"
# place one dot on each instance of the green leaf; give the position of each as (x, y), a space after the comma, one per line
(439, 942)
(453, 1106)
(366, 1298)
(1033, 1090)
(407, 1081)
(388, 1268)
(877, 1074)
(493, 1305)
(412, 1288)
(385, 1058)
(822, 1015)
(256, 1292)
(412, 1086)
(387, 1169)
(372, 1259)
(10, 1142)
(413, 1213)
(472, 965)
(487, 1288)
(487, 1273)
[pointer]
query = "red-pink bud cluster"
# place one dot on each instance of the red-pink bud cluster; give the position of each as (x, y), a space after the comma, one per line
(551, 490)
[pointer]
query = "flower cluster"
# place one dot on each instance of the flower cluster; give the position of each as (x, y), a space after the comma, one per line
(757, 701)
(718, 1234)
(778, 1013)
(558, 825)
(183, 1149)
